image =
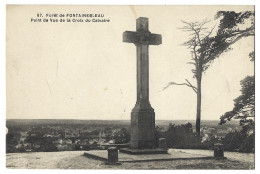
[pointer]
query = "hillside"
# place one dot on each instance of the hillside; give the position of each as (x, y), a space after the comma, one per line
(76, 160)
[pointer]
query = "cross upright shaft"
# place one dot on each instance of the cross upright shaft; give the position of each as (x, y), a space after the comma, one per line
(142, 116)
(142, 38)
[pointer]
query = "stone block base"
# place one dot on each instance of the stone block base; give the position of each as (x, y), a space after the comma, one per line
(218, 150)
(142, 129)
(112, 155)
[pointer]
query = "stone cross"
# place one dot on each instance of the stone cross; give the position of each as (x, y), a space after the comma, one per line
(142, 116)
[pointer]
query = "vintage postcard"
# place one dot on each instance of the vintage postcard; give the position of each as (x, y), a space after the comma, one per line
(130, 87)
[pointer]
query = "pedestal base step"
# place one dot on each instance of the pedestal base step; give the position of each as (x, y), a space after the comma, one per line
(173, 154)
(143, 151)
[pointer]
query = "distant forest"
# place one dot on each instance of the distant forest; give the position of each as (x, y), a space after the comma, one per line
(12, 122)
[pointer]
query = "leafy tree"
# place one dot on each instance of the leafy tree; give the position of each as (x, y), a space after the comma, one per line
(234, 26)
(33, 139)
(121, 136)
(46, 145)
(157, 136)
(12, 139)
(232, 141)
(180, 136)
(244, 105)
(209, 142)
(242, 141)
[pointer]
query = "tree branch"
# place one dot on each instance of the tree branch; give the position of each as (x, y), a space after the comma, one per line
(187, 84)
(193, 87)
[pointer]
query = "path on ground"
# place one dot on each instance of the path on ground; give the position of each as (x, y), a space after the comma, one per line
(244, 157)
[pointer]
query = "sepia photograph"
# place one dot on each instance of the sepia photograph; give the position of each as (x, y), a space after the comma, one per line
(169, 87)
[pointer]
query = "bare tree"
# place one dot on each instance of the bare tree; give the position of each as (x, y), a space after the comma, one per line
(196, 44)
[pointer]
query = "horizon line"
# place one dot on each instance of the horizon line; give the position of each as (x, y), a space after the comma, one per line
(104, 119)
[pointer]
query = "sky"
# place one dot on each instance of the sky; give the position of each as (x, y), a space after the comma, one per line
(85, 71)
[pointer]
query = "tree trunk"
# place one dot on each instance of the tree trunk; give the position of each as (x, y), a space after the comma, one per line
(198, 106)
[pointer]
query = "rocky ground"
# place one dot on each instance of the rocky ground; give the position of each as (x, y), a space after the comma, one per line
(76, 160)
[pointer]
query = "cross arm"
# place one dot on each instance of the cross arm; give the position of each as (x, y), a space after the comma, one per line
(130, 37)
(144, 38)
(155, 39)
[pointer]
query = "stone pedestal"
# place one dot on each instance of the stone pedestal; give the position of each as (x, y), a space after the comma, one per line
(142, 129)
(218, 150)
(112, 155)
